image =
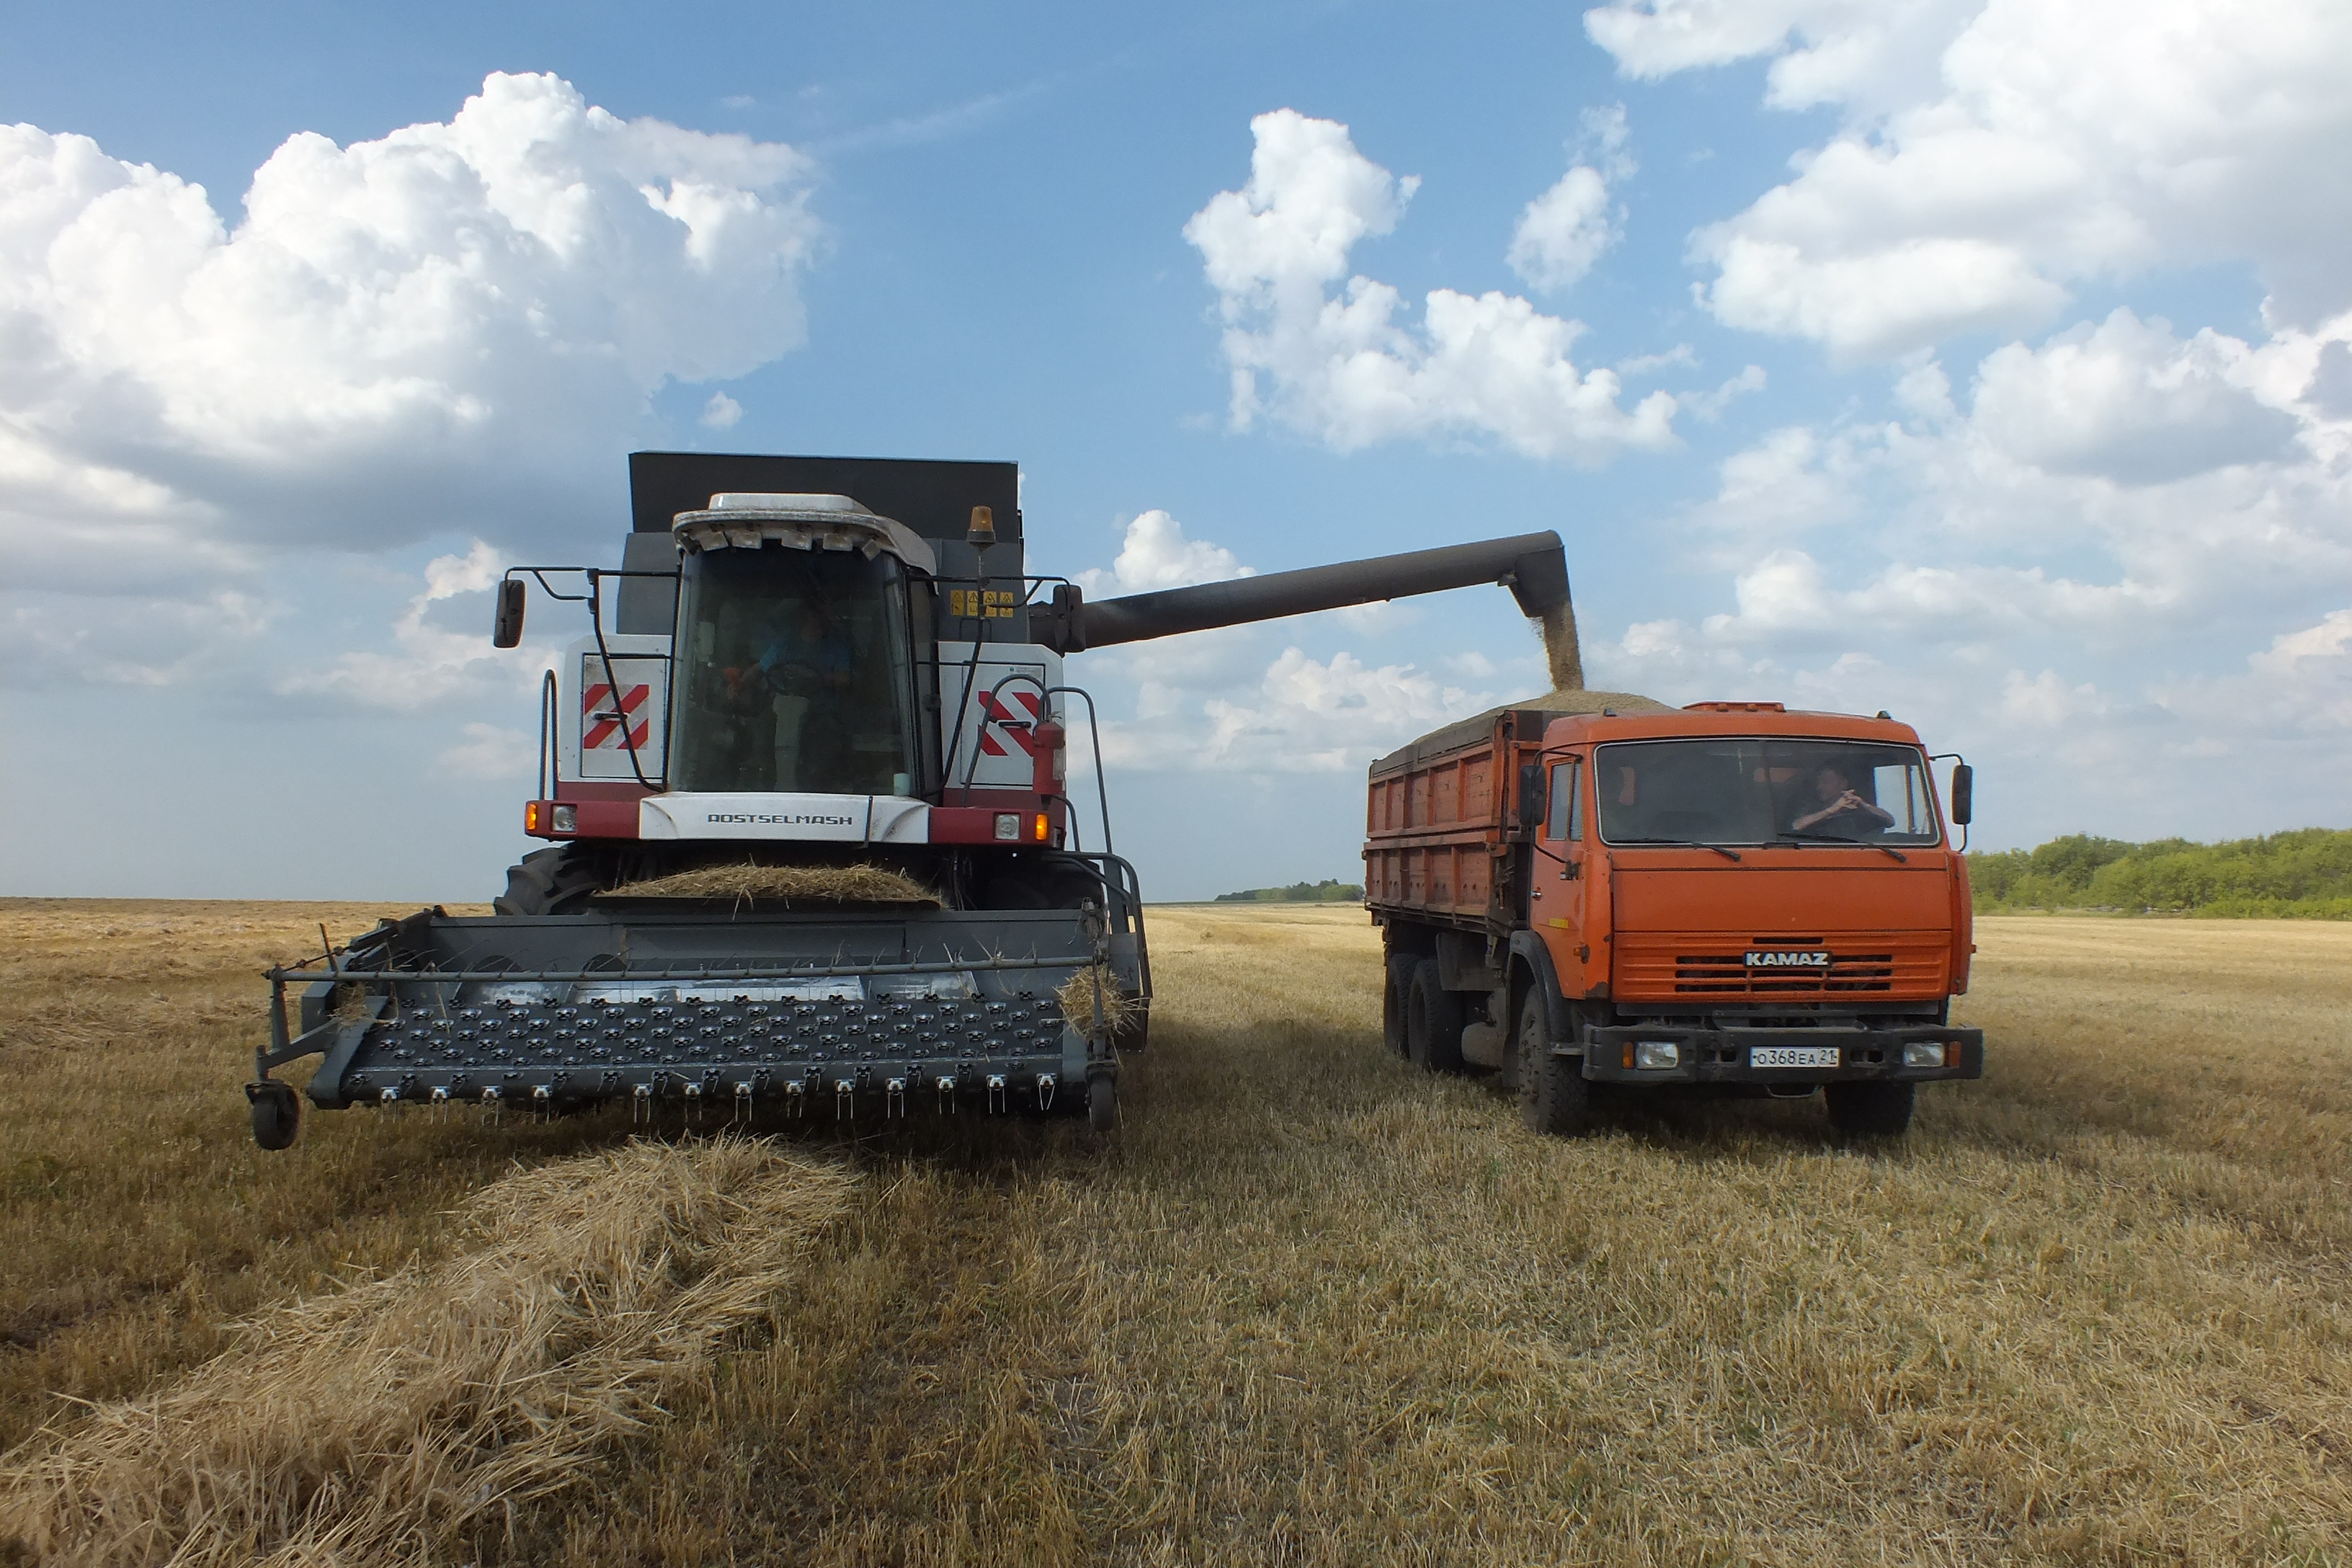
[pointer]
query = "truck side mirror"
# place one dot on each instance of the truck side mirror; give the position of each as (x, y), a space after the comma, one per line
(1532, 801)
(507, 631)
(1964, 791)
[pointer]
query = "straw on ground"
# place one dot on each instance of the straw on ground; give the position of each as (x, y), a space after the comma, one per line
(385, 1422)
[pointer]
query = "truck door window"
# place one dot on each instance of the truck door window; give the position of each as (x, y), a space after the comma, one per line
(1567, 802)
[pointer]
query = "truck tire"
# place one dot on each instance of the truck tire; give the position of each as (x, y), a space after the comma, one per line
(1432, 1021)
(1555, 1097)
(1870, 1109)
(1395, 998)
(557, 881)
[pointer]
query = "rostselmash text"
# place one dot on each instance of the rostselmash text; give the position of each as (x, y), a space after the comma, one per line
(780, 819)
(1814, 960)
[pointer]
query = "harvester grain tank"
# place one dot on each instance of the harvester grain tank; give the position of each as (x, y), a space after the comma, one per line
(811, 845)
(1592, 894)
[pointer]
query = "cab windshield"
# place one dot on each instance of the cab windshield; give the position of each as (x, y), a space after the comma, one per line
(793, 673)
(1763, 792)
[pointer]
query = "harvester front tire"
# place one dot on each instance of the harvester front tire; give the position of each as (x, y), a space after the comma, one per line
(276, 1114)
(1432, 1021)
(557, 881)
(1554, 1095)
(1870, 1109)
(1102, 1103)
(1395, 999)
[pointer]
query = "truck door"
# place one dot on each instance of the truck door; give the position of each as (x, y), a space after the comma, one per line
(1557, 898)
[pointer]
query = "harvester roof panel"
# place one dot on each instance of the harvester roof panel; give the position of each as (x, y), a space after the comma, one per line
(742, 520)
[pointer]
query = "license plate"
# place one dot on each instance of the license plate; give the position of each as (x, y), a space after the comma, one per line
(1793, 1055)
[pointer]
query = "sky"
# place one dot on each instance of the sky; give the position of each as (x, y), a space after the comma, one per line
(1986, 362)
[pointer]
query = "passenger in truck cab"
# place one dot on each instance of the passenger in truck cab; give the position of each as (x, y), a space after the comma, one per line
(1841, 812)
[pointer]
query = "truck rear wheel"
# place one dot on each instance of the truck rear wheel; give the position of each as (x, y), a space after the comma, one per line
(1432, 1021)
(1870, 1109)
(1396, 998)
(1554, 1095)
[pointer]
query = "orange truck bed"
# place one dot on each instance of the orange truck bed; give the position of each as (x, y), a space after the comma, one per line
(1730, 898)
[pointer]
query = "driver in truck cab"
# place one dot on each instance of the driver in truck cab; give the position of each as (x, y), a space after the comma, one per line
(1841, 812)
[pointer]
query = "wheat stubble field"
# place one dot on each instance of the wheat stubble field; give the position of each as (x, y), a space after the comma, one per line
(1306, 1307)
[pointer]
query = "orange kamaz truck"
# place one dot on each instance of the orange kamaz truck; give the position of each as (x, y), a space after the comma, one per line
(1727, 898)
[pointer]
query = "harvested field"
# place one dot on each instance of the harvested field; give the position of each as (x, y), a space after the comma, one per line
(1311, 1307)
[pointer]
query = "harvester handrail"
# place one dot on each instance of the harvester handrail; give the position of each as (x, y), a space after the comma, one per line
(547, 738)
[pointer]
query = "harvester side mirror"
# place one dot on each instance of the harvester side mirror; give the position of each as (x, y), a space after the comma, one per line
(1964, 792)
(507, 632)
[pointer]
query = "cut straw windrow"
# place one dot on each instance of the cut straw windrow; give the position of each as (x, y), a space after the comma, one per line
(382, 1423)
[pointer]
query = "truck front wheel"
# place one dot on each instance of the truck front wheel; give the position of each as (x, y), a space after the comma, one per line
(1870, 1109)
(1432, 1021)
(1554, 1095)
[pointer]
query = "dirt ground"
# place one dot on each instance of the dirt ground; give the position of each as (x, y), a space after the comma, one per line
(1309, 1306)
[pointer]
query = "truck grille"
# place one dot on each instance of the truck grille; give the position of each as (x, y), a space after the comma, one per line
(1693, 964)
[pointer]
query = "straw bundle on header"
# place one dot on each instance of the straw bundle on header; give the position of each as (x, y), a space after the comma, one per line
(811, 884)
(379, 1424)
(1077, 996)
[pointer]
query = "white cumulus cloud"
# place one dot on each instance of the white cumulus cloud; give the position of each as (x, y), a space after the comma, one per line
(1997, 152)
(1324, 351)
(2112, 564)
(1155, 554)
(1564, 231)
(451, 328)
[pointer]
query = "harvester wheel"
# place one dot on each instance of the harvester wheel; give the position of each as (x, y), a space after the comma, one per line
(1046, 880)
(1102, 1103)
(1432, 1021)
(1395, 1000)
(1871, 1110)
(557, 881)
(276, 1113)
(1554, 1095)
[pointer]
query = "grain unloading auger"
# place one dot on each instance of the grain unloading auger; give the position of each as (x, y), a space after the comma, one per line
(810, 839)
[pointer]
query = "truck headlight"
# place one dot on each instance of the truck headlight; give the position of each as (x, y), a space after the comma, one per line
(1657, 1053)
(1924, 1053)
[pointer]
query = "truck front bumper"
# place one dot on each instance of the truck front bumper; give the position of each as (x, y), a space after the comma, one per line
(1800, 1057)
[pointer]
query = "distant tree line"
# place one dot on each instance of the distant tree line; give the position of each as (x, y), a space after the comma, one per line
(1327, 892)
(2306, 874)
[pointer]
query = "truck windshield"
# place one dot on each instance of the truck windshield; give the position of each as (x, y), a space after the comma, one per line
(1762, 792)
(793, 673)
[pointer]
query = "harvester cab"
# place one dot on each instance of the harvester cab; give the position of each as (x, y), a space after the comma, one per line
(810, 839)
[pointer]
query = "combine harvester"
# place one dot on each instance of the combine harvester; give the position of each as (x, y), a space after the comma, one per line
(810, 841)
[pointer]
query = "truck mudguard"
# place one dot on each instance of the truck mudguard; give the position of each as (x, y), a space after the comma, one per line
(1528, 948)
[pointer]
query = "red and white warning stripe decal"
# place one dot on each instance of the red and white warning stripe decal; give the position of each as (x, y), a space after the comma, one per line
(601, 719)
(997, 719)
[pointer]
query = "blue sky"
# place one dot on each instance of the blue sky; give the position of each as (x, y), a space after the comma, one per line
(2006, 354)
